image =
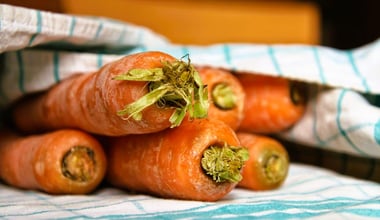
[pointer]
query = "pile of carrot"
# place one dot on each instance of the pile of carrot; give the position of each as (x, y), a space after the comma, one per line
(151, 123)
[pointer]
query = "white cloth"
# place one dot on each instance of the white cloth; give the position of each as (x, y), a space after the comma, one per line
(322, 195)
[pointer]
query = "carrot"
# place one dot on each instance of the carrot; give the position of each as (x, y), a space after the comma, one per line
(198, 160)
(268, 163)
(226, 95)
(272, 104)
(60, 162)
(139, 93)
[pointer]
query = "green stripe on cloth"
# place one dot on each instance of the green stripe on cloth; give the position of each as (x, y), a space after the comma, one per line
(340, 127)
(38, 27)
(56, 66)
(319, 65)
(72, 25)
(356, 71)
(99, 30)
(271, 53)
(377, 132)
(99, 60)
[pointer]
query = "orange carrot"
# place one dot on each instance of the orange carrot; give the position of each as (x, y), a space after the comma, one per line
(59, 162)
(272, 104)
(198, 160)
(268, 163)
(226, 95)
(140, 93)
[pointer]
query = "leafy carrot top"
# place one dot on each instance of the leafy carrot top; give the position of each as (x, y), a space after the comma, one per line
(177, 84)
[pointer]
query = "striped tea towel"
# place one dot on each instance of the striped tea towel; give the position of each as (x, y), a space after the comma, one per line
(322, 195)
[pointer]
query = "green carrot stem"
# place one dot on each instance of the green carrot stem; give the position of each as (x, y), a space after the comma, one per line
(78, 164)
(176, 85)
(224, 163)
(223, 96)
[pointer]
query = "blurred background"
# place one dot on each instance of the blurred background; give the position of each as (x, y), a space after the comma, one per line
(342, 24)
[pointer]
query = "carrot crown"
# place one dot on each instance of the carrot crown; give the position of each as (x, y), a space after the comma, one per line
(275, 166)
(177, 85)
(78, 164)
(223, 96)
(224, 163)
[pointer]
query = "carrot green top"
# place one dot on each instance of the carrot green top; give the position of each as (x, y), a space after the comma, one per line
(224, 163)
(177, 84)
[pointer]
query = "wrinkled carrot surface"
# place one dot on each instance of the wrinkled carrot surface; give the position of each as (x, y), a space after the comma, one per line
(59, 162)
(168, 163)
(272, 104)
(92, 101)
(268, 163)
(226, 95)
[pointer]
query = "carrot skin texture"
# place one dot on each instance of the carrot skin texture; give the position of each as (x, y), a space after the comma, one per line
(213, 77)
(257, 173)
(91, 101)
(168, 163)
(268, 105)
(36, 162)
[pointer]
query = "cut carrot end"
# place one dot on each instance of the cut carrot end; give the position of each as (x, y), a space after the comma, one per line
(78, 164)
(176, 85)
(298, 92)
(223, 96)
(224, 163)
(275, 167)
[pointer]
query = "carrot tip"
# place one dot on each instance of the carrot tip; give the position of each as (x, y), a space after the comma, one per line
(78, 164)
(224, 163)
